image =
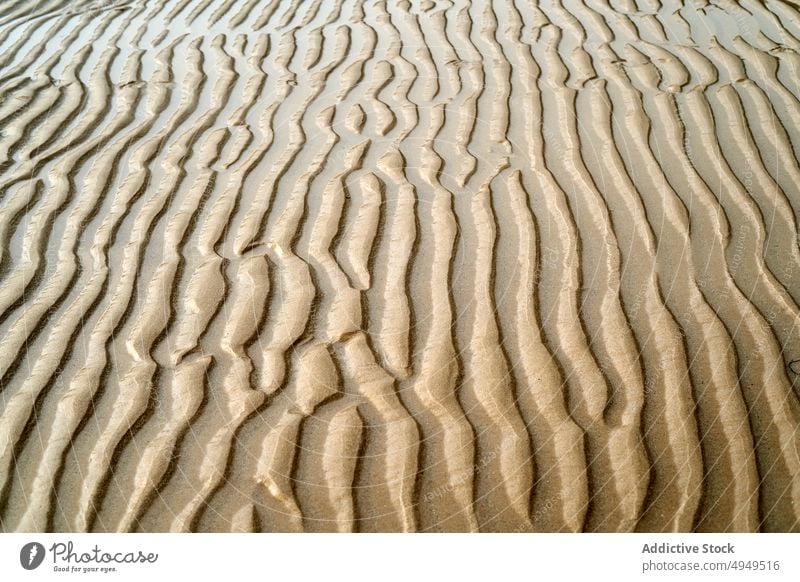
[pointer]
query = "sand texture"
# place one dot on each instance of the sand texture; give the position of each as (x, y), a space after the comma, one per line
(391, 265)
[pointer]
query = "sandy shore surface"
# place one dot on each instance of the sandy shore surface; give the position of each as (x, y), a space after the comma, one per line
(301, 265)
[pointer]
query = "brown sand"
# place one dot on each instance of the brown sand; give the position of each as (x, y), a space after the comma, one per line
(285, 265)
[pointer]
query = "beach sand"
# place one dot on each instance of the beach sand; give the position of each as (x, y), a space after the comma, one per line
(333, 265)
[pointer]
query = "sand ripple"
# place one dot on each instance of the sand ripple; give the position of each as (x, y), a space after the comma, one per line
(305, 265)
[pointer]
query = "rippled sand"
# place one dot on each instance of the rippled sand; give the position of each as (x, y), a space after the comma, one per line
(284, 265)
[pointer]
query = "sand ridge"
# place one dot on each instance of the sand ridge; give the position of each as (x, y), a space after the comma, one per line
(284, 265)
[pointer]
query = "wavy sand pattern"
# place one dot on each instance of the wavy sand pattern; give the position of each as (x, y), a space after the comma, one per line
(345, 265)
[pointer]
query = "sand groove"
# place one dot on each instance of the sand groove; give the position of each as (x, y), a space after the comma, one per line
(365, 265)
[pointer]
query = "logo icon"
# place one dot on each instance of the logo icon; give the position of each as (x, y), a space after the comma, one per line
(31, 555)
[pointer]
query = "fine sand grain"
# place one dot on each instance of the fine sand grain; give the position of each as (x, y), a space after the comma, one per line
(391, 265)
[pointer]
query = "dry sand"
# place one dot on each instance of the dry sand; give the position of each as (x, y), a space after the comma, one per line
(284, 265)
